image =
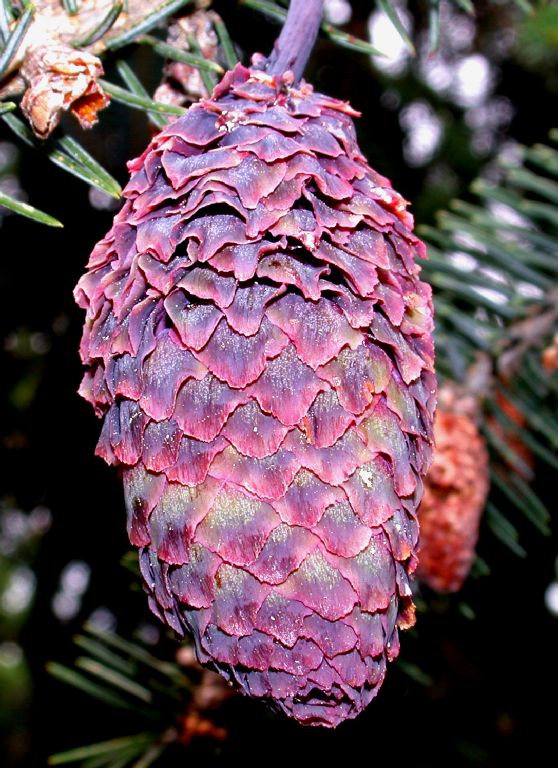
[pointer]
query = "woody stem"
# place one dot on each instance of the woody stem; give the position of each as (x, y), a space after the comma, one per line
(294, 45)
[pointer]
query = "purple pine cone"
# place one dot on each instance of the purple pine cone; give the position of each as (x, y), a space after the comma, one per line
(259, 345)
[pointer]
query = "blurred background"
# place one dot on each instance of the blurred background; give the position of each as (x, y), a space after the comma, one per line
(478, 671)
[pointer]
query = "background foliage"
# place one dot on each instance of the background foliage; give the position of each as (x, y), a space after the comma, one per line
(454, 100)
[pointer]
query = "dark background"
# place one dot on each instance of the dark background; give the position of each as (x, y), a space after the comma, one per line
(490, 651)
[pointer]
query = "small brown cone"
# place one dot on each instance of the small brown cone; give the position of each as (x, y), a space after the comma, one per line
(456, 489)
(60, 78)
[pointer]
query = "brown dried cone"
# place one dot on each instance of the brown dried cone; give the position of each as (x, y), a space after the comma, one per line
(456, 489)
(182, 83)
(60, 78)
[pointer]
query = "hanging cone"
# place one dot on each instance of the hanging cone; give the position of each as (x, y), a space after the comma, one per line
(259, 345)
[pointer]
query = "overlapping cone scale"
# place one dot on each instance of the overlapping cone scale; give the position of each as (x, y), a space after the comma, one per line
(259, 345)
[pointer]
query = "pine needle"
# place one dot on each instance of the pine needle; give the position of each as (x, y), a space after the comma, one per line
(177, 54)
(15, 39)
(134, 85)
(146, 24)
(227, 46)
(101, 29)
(23, 209)
(391, 13)
(56, 150)
(138, 741)
(139, 102)
(70, 6)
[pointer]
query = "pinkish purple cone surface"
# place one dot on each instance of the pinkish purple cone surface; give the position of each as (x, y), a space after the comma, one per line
(259, 345)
